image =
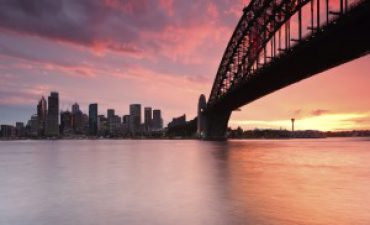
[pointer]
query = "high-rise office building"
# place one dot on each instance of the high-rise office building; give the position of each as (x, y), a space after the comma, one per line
(126, 119)
(157, 122)
(33, 126)
(110, 119)
(102, 125)
(78, 123)
(20, 130)
(110, 113)
(42, 111)
(52, 123)
(75, 108)
(117, 127)
(66, 123)
(148, 118)
(93, 119)
(135, 118)
(84, 123)
(125, 124)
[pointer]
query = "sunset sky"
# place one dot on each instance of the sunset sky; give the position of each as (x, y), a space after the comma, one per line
(163, 54)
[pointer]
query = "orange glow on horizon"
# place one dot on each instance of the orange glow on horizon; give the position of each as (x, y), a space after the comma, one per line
(326, 122)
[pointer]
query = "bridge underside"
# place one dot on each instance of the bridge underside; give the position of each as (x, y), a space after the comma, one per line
(345, 40)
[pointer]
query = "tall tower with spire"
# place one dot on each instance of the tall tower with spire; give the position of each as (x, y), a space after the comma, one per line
(42, 112)
(52, 123)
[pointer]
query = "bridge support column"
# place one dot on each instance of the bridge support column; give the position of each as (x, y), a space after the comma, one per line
(201, 121)
(216, 125)
(211, 125)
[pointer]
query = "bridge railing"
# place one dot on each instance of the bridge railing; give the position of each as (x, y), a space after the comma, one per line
(315, 17)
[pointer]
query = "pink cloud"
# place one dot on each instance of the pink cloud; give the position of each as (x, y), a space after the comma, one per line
(25, 94)
(167, 5)
(185, 44)
(80, 70)
(212, 10)
(319, 112)
(127, 6)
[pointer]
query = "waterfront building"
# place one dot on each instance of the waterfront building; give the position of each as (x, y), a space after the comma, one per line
(115, 128)
(52, 124)
(66, 123)
(93, 119)
(135, 118)
(125, 124)
(85, 123)
(33, 126)
(126, 119)
(20, 129)
(111, 121)
(8, 131)
(178, 121)
(79, 120)
(102, 125)
(157, 122)
(110, 113)
(148, 118)
(75, 108)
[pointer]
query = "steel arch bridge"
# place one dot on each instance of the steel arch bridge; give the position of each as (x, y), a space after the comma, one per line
(277, 43)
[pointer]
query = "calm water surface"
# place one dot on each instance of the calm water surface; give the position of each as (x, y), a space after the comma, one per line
(281, 182)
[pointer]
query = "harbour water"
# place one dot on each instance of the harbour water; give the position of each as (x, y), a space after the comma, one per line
(152, 182)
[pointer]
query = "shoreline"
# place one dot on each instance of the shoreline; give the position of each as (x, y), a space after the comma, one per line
(167, 138)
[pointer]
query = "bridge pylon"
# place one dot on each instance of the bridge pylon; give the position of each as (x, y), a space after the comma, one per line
(211, 125)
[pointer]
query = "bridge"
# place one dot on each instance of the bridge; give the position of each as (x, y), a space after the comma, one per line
(280, 42)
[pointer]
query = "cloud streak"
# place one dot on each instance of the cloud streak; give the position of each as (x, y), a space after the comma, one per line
(112, 24)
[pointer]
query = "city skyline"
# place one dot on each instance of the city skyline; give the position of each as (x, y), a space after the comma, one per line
(49, 121)
(168, 50)
(76, 106)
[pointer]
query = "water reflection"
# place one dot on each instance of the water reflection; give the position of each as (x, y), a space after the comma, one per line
(298, 182)
(185, 182)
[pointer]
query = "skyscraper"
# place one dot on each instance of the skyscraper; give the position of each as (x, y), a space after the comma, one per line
(78, 122)
(33, 126)
(110, 113)
(117, 127)
(135, 118)
(126, 119)
(110, 119)
(20, 130)
(75, 108)
(126, 124)
(157, 123)
(42, 116)
(93, 119)
(52, 124)
(66, 122)
(148, 118)
(102, 125)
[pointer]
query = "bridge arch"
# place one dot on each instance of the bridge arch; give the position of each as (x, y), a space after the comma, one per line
(256, 63)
